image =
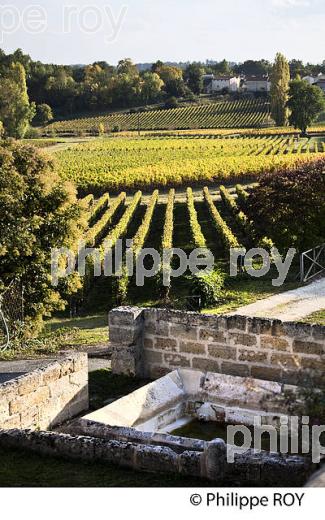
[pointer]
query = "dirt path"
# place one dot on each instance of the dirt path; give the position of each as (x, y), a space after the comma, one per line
(289, 306)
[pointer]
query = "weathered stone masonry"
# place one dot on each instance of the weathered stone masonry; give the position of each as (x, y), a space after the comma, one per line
(152, 342)
(47, 396)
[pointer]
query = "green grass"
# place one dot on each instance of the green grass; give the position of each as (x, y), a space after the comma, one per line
(25, 469)
(316, 317)
(88, 330)
(62, 333)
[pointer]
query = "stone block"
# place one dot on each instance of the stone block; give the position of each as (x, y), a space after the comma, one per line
(175, 360)
(151, 356)
(308, 347)
(286, 361)
(125, 316)
(259, 326)
(51, 373)
(246, 340)
(158, 328)
(156, 459)
(189, 463)
(222, 352)
(80, 362)
(212, 336)
(234, 369)
(252, 356)
(313, 363)
(237, 323)
(274, 343)
(268, 373)
(167, 344)
(29, 383)
(192, 347)
(206, 365)
(30, 418)
(124, 335)
(79, 379)
(59, 387)
(20, 404)
(183, 331)
(318, 332)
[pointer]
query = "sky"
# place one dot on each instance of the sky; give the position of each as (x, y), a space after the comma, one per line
(84, 31)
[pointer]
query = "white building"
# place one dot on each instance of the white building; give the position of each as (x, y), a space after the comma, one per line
(257, 84)
(316, 80)
(231, 83)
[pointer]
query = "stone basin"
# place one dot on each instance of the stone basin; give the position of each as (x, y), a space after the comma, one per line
(175, 399)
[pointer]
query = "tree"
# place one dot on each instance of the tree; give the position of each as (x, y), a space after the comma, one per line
(280, 78)
(44, 114)
(176, 87)
(38, 212)
(15, 110)
(222, 67)
(305, 103)
(169, 73)
(288, 206)
(193, 76)
(253, 68)
(151, 87)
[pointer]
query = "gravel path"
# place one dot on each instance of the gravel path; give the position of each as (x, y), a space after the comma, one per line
(289, 306)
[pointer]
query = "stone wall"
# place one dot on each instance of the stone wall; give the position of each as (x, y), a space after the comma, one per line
(47, 396)
(209, 462)
(152, 342)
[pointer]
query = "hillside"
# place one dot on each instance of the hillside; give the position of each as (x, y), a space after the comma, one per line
(230, 114)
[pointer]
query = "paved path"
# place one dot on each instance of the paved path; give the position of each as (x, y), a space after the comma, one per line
(290, 305)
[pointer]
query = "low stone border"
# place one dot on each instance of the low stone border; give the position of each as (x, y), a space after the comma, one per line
(210, 462)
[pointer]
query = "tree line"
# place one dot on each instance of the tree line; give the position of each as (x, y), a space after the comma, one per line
(33, 92)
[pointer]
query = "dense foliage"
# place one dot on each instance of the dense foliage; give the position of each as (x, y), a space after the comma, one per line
(290, 205)
(305, 102)
(16, 112)
(280, 78)
(38, 212)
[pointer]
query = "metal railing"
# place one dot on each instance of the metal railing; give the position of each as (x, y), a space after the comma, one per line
(312, 263)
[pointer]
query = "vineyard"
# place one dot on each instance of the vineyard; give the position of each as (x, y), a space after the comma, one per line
(231, 114)
(209, 218)
(115, 164)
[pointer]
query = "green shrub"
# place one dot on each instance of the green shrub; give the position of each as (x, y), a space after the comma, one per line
(208, 286)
